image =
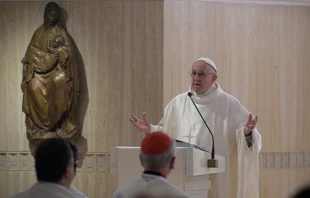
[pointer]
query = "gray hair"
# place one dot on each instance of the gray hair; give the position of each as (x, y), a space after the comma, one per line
(158, 161)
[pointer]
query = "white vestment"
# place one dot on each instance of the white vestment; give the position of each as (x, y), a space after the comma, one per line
(76, 193)
(46, 190)
(226, 118)
(149, 186)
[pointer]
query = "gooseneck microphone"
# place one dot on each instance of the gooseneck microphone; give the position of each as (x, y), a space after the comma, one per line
(212, 163)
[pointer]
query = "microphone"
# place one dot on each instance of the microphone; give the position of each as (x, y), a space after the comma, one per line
(188, 145)
(212, 163)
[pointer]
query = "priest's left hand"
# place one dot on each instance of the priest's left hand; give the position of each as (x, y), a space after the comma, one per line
(250, 124)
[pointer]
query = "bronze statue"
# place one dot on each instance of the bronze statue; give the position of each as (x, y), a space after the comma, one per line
(50, 81)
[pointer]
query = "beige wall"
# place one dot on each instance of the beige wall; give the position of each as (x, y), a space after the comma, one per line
(136, 56)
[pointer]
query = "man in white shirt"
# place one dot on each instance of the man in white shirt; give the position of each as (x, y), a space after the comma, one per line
(54, 167)
(234, 128)
(157, 156)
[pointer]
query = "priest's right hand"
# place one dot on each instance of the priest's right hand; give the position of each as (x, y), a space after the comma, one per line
(142, 125)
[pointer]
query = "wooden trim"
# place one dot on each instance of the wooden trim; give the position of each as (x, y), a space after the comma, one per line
(100, 162)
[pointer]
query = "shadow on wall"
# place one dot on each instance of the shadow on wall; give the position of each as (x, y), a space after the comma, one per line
(81, 143)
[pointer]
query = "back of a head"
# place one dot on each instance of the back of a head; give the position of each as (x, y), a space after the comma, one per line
(75, 151)
(52, 158)
(303, 193)
(157, 151)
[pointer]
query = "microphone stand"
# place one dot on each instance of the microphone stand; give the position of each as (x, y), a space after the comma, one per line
(212, 163)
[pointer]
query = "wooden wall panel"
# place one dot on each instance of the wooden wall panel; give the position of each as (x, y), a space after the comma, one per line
(282, 182)
(257, 2)
(267, 74)
(92, 184)
(120, 45)
(4, 184)
(261, 52)
(189, 30)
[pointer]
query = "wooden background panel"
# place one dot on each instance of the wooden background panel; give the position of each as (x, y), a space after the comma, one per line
(111, 184)
(4, 184)
(246, 51)
(304, 90)
(120, 47)
(259, 2)
(12, 125)
(188, 33)
(288, 80)
(231, 48)
(3, 77)
(91, 184)
(282, 182)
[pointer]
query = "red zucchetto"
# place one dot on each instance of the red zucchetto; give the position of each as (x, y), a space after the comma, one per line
(155, 143)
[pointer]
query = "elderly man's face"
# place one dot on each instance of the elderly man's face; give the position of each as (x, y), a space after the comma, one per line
(203, 76)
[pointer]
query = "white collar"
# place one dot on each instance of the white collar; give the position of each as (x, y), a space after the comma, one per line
(214, 91)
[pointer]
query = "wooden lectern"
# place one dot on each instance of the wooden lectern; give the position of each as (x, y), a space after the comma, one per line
(190, 174)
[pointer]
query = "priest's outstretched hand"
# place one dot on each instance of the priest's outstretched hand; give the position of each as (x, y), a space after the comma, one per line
(250, 124)
(142, 125)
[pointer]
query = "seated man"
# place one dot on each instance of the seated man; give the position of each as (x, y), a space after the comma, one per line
(54, 167)
(157, 156)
